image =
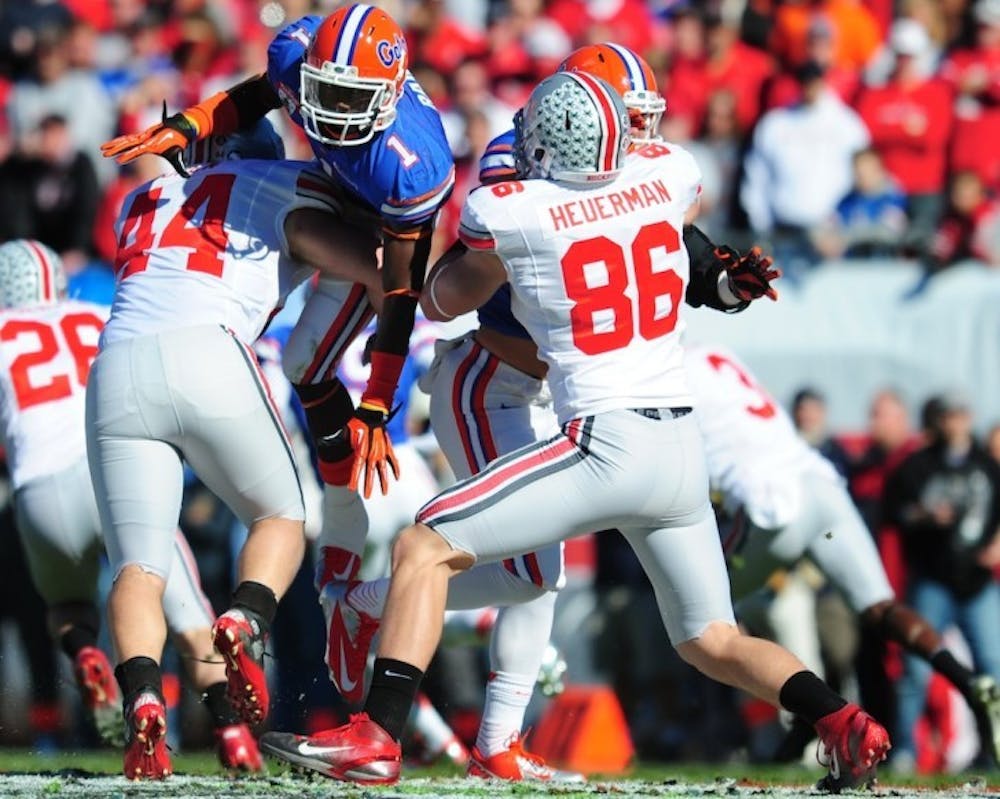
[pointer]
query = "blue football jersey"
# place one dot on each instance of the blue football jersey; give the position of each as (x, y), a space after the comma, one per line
(497, 163)
(405, 173)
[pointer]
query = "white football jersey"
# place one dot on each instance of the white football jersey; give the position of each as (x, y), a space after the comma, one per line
(210, 249)
(755, 455)
(45, 357)
(597, 277)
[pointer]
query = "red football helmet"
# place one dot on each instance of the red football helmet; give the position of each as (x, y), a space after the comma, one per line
(352, 76)
(631, 77)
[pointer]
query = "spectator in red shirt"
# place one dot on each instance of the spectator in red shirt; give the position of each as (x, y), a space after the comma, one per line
(910, 120)
(974, 74)
(725, 64)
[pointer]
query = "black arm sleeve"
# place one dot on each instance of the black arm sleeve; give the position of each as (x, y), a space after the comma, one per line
(253, 99)
(703, 287)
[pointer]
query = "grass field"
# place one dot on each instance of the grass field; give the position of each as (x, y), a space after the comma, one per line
(96, 774)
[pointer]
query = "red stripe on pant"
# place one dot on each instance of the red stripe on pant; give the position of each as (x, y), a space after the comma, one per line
(334, 332)
(262, 379)
(456, 408)
(478, 407)
(489, 481)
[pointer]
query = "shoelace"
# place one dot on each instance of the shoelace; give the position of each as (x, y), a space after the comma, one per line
(517, 748)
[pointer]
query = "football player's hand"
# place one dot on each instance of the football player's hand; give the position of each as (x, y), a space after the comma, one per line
(168, 139)
(750, 274)
(372, 448)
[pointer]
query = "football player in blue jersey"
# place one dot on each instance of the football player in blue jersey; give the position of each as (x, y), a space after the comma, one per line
(378, 137)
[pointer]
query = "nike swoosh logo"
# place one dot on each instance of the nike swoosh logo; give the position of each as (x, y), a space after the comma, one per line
(345, 678)
(337, 645)
(306, 748)
(390, 673)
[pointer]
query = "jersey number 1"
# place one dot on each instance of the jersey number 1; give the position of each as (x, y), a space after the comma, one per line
(608, 300)
(208, 239)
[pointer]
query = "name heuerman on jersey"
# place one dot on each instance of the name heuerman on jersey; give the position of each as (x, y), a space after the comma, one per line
(211, 249)
(754, 453)
(601, 207)
(597, 277)
(45, 357)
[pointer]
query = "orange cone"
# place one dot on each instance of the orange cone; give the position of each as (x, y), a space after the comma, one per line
(584, 729)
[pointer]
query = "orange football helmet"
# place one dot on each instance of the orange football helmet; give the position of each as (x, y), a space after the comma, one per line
(352, 76)
(631, 77)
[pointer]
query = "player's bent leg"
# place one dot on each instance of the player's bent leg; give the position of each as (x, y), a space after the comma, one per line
(236, 443)
(59, 527)
(362, 750)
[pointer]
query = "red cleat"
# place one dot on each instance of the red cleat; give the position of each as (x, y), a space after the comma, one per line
(855, 744)
(146, 755)
(360, 751)
(349, 637)
(237, 748)
(516, 764)
(96, 680)
(239, 640)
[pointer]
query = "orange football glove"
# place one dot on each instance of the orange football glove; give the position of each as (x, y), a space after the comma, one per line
(168, 139)
(372, 448)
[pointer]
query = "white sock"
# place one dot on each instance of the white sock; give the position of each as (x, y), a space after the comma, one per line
(507, 697)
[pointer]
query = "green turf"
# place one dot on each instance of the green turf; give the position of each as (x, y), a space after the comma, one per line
(108, 762)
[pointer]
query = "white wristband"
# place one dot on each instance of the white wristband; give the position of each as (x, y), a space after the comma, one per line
(725, 291)
(433, 296)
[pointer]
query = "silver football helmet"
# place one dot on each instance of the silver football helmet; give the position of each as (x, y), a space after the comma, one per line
(574, 128)
(30, 274)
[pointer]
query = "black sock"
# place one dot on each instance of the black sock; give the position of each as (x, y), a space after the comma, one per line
(394, 687)
(259, 600)
(76, 638)
(808, 696)
(137, 675)
(945, 664)
(217, 703)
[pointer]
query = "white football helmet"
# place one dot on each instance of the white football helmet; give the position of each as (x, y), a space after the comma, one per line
(30, 274)
(574, 128)
(259, 141)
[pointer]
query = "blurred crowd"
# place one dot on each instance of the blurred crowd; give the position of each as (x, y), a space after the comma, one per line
(825, 129)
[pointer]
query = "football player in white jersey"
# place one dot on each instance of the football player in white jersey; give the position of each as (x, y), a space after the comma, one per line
(591, 245)
(790, 503)
(489, 398)
(202, 262)
(47, 343)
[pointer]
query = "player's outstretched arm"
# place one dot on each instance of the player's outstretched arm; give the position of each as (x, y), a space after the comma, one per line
(324, 242)
(722, 278)
(222, 113)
